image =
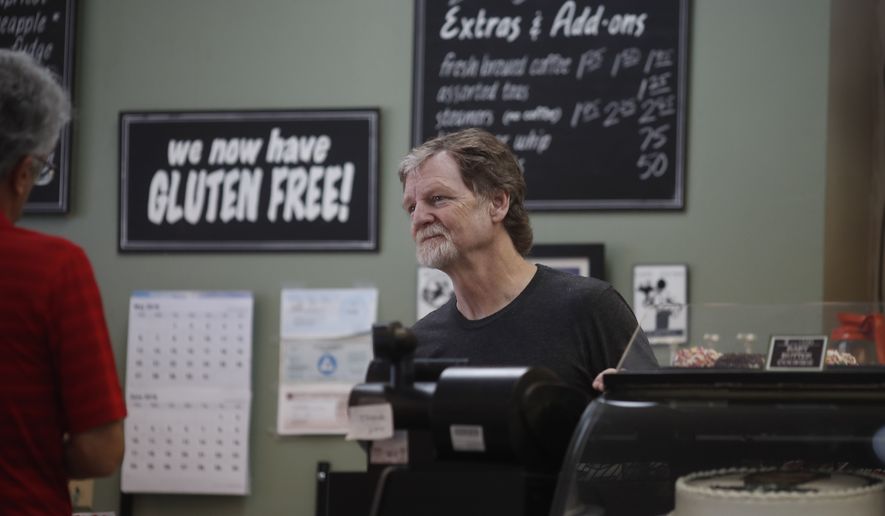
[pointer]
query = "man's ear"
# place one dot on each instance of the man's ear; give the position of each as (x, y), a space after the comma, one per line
(499, 205)
(20, 175)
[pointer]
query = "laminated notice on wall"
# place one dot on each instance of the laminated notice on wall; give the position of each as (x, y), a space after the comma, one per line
(325, 348)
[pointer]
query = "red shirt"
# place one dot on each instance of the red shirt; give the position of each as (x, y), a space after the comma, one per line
(57, 370)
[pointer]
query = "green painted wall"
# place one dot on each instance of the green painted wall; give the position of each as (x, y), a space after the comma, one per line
(752, 230)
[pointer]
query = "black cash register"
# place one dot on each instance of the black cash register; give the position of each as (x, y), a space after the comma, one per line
(480, 441)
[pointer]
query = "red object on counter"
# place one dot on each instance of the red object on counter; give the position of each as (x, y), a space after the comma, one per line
(868, 327)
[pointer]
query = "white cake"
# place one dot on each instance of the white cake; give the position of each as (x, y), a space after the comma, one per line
(745, 492)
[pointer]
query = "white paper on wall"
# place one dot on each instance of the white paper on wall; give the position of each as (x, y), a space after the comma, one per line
(325, 349)
(312, 409)
(327, 312)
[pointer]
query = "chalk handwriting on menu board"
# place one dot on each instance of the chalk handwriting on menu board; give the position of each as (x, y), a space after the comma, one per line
(590, 96)
(45, 30)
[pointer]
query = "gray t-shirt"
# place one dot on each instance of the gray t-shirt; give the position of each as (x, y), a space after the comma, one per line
(573, 325)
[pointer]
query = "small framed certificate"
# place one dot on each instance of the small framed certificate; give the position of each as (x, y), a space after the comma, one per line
(434, 289)
(797, 352)
(660, 298)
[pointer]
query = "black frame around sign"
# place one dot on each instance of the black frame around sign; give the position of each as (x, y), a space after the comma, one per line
(53, 197)
(592, 254)
(586, 167)
(357, 130)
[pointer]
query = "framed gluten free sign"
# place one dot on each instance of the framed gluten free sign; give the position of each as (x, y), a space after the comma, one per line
(293, 180)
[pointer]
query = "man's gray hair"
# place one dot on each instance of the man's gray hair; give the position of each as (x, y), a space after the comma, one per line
(33, 109)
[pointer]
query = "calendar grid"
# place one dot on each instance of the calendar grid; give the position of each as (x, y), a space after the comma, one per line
(188, 388)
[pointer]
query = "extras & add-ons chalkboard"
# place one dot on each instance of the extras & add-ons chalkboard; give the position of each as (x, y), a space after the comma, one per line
(590, 96)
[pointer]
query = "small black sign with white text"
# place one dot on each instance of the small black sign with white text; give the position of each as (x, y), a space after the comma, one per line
(797, 352)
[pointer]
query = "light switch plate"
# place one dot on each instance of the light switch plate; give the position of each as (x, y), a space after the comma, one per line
(81, 492)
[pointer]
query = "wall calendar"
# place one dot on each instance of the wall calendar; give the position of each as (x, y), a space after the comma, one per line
(188, 392)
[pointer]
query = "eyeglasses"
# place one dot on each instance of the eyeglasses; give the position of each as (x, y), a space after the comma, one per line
(46, 173)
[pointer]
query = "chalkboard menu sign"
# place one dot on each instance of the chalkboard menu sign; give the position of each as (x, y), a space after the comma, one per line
(303, 180)
(590, 96)
(45, 30)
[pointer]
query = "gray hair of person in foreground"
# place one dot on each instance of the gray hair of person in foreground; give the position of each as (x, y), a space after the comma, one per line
(33, 109)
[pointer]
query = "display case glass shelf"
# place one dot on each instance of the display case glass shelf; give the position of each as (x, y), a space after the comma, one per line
(799, 387)
(737, 336)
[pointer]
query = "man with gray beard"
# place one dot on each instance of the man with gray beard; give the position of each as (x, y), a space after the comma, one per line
(464, 193)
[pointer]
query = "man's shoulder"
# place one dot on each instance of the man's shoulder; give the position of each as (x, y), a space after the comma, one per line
(563, 282)
(37, 246)
(32, 237)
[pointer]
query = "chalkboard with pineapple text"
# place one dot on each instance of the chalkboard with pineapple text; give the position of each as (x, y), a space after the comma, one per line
(45, 30)
(590, 96)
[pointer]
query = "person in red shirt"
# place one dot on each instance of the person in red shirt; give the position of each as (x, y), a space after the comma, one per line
(61, 405)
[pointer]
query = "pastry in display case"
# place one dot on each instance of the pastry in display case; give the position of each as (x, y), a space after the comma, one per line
(763, 409)
(773, 492)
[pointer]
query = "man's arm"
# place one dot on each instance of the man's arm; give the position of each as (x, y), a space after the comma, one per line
(97, 452)
(599, 381)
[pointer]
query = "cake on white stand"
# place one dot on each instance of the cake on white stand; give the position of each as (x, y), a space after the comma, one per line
(745, 492)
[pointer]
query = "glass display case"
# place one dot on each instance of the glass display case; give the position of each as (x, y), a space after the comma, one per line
(796, 387)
